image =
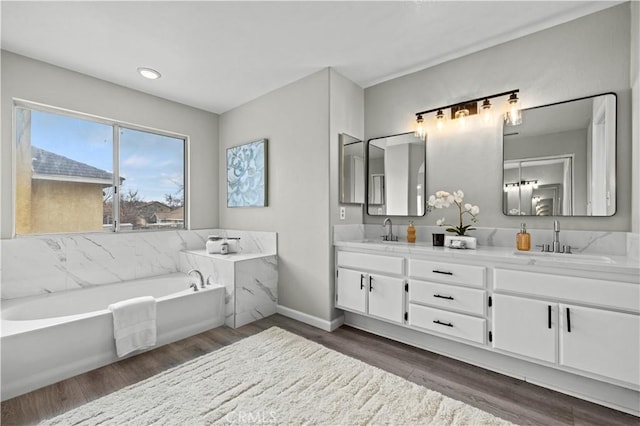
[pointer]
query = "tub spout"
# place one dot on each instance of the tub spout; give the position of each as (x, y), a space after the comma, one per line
(200, 278)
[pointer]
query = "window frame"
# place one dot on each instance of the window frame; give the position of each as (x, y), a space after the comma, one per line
(116, 126)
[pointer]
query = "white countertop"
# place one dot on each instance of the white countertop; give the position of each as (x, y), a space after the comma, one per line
(577, 261)
(231, 257)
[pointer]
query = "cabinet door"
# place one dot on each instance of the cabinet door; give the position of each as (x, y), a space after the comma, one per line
(601, 342)
(525, 326)
(350, 291)
(386, 297)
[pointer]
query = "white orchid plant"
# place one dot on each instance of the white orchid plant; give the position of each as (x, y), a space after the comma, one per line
(444, 199)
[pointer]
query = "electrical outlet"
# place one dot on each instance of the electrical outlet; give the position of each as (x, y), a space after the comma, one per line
(343, 213)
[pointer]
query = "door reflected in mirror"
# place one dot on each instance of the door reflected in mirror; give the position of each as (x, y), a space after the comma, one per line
(561, 161)
(352, 185)
(396, 175)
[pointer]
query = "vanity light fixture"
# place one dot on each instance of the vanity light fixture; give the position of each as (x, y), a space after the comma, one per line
(462, 110)
(420, 133)
(523, 183)
(149, 73)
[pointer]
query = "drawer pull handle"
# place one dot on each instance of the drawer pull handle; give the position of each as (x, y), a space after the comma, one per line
(443, 297)
(370, 286)
(568, 321)
(549, 316)
(448, 324)
(435, 271)
(361, 281)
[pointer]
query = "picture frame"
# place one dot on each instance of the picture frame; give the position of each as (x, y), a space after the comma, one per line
(247, 175)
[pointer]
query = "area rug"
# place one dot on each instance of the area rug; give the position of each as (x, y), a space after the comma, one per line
(275, 377)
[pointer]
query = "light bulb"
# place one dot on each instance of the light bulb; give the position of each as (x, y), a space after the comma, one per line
(486, 111)
(420, 132)
(439, 119)
(513, 117)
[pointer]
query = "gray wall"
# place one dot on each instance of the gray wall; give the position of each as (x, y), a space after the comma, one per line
(583, 57)
(635, 84)
(302, 122)
(40, 82)
(295, 120)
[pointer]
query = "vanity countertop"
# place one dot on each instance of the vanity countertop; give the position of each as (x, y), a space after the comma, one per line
(577, 261)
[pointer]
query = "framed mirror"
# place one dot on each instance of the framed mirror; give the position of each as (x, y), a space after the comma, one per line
(396, 178)
(351, 177)
(561, 161)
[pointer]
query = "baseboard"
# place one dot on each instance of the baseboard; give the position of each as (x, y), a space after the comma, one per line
(310, 319)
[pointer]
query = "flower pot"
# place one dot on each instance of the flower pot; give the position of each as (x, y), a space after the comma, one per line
(460, 242)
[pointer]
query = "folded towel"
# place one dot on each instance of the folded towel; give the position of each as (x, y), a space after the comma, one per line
(213, 246)
(134, 324)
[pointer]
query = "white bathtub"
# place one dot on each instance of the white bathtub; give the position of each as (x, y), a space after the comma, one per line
(55, 336)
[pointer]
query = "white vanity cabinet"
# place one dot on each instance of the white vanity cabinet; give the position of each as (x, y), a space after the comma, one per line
(569, 326)
(595, 340)
(360, 288)
(600, 341)
(447, 298)
(525, 327)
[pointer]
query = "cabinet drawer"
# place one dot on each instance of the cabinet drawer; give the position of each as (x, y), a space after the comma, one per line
(447, 296)
(371, 262)
(457, 325)
(587, 290)
(447, 272)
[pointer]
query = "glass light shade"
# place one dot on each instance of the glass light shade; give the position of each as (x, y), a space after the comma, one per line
(513, 116)
(420, 131)
(439, 119)
(487, 116)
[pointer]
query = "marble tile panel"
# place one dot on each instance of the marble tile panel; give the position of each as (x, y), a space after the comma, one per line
(157, 253)
(32, 266)
(94, 259)
(633, 246)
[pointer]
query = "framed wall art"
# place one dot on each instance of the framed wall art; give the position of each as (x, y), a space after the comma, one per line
(247, 175)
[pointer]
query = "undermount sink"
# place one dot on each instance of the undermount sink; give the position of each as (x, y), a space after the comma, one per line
(563, 257)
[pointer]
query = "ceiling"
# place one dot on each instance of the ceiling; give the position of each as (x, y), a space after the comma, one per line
(217, 55)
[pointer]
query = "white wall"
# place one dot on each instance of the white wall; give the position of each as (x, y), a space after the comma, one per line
(583, 57)
(37, 81)
(295, 120)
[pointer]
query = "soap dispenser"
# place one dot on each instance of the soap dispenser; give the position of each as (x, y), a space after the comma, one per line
(523, 239)
(411, 233)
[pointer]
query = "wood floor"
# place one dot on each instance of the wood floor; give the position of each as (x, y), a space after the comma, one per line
(508, 398)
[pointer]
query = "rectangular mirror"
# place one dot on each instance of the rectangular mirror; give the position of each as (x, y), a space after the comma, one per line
(561, 161)
(351, 170)
(396, 177)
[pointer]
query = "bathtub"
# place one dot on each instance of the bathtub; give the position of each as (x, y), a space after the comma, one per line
(51, 337)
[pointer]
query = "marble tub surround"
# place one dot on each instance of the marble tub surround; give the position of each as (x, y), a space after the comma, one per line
(250, 281)
(50, 263)
(586, 242)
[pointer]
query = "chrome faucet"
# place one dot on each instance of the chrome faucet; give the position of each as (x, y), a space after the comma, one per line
(555, 246)
(556, 237)
(388, 229)
(200, 278)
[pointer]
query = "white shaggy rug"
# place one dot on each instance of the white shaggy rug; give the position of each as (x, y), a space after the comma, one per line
(275, 377)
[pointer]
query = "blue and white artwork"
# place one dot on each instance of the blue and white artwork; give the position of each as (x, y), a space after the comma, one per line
(247, 175)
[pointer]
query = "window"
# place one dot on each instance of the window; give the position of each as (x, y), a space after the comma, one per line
(76, 173)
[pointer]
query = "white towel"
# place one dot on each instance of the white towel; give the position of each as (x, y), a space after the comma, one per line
(134, 324)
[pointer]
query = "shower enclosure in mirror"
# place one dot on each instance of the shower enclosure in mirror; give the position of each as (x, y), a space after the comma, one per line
(351, 170)
(396, 175)
(561, 161)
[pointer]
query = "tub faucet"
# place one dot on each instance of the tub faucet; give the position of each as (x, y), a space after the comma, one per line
(200, 277)
(388, 227)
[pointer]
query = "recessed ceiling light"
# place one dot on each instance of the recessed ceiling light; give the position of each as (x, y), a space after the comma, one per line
(149, 73)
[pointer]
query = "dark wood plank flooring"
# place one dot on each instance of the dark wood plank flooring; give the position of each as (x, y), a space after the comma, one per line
(506, 397)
